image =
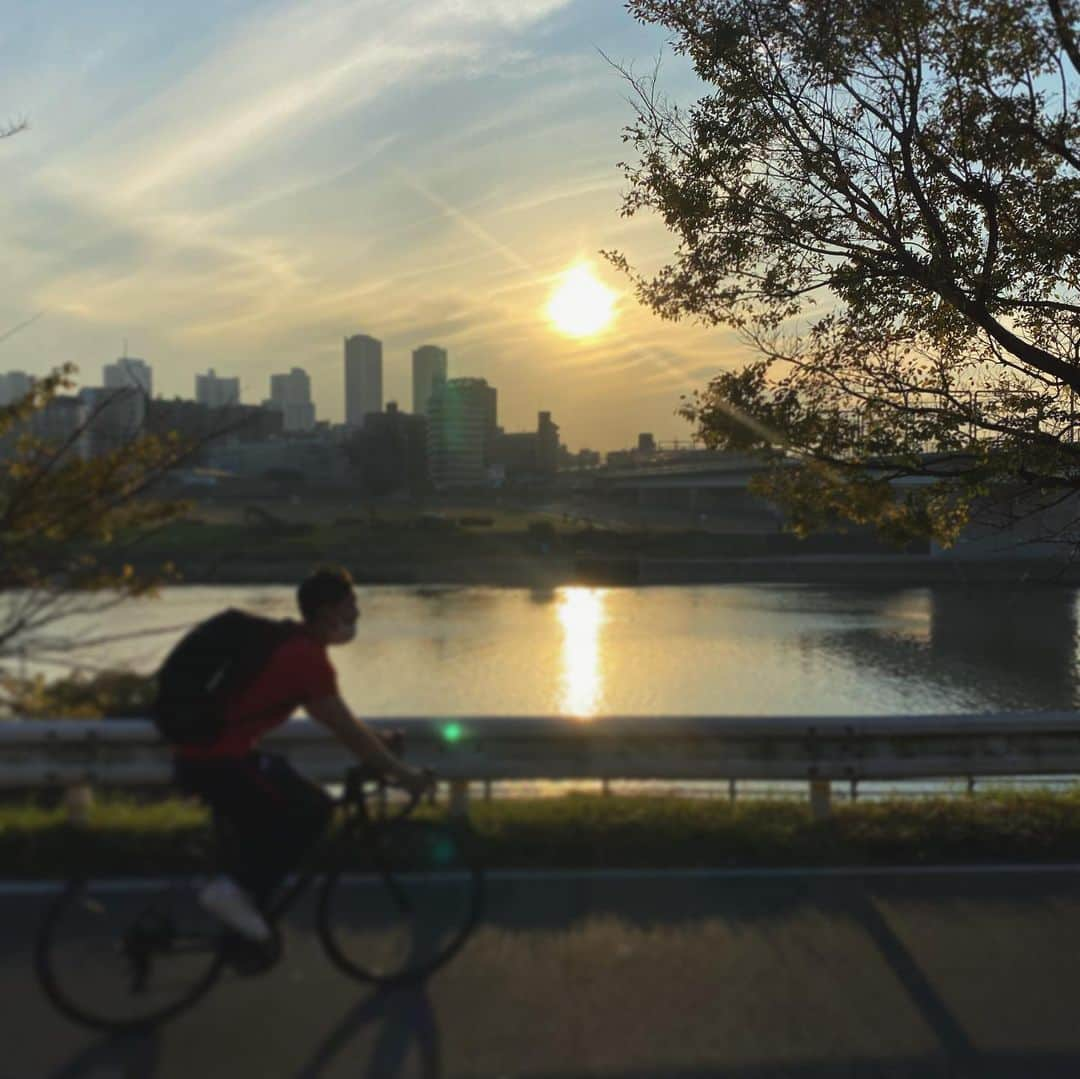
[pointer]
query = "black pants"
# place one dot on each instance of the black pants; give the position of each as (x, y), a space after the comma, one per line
(267, 815)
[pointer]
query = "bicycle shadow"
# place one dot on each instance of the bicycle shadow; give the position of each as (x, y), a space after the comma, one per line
(125, 1056)
(408, 1021)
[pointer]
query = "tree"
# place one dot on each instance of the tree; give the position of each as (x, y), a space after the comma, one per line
(65, 519)
(884, 200)
(69, 521)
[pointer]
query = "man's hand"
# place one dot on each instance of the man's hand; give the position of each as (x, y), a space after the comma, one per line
(372, 748)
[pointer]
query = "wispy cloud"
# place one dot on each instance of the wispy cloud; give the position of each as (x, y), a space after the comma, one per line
(300, 67)
(246, 192)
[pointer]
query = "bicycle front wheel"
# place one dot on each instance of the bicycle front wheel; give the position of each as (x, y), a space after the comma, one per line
(121, 957)
(408, 908)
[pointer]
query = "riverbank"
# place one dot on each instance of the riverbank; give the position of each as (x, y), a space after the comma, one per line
(548, 572)
(124, 838)
(541, 551)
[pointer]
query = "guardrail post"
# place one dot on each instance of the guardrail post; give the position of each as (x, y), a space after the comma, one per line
(820, 798)
(78, 801)
(459, 798)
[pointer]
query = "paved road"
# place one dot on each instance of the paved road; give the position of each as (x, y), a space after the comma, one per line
(800, 976)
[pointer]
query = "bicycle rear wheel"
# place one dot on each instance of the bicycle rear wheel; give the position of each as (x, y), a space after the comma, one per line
(408, 909)
(120, 957)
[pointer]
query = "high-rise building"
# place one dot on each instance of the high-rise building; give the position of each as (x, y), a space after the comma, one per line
(58, 421)
(390, 452)
(129, 371)
(291, 396)
(547, 444)
(461, 427)
(533, 454)
(215, 392)
(109, 417)
(428, 368)
(204, 426)
(14, 386)
(56, 424)
(363, 378)
(136, 378)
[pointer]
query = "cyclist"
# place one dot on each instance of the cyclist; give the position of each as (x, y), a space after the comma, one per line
(269, 815)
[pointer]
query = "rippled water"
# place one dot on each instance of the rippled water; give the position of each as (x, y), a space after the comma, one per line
(708, 650)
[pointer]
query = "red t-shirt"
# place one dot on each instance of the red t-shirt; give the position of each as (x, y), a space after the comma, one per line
(297, 673)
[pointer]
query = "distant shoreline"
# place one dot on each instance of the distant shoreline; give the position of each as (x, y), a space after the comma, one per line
(559, 571)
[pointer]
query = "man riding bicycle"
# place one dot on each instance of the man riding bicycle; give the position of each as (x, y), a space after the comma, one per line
(269, 815)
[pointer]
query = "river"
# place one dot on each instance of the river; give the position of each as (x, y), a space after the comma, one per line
(706, 650)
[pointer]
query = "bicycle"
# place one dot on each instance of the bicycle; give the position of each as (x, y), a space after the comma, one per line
(119, 962)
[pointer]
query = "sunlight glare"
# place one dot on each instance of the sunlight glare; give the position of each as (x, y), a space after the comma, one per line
(581, 612)
(581, 305)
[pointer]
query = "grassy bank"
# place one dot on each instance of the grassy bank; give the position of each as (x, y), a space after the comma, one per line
(275, 541)
(596, 831)
(545, 551)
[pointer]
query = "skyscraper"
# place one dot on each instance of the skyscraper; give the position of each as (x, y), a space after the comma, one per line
(428, 367)
(291, 396)
(129, 371)
(461, 427)
(215, 392)
(134, 376)
(363, 378)
(110, 417)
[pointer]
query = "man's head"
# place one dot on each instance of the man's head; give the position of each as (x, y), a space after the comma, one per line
(328, 604)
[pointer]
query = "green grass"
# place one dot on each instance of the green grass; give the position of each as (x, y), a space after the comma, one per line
(124, 837)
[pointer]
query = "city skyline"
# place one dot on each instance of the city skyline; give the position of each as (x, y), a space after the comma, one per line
(240, 186)
(290, 395)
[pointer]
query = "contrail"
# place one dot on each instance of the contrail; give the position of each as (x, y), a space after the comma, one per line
(452, 211)
(513, 257)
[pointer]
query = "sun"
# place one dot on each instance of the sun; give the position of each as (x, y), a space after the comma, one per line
(581, 306)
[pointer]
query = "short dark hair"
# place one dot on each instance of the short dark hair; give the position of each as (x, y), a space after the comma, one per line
(327, 585)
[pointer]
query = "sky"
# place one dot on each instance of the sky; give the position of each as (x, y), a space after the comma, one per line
(240, 184)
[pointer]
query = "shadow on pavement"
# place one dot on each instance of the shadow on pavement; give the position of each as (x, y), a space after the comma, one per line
(935, 1012)
(983, 1066)
(125, 1056)
(644, 902)
(407, 1019)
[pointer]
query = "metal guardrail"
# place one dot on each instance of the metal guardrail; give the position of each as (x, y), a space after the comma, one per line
(117, 753)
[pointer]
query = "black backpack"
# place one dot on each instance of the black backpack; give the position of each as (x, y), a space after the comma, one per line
(214, 661)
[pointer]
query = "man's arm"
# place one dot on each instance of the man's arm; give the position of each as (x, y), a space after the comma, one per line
(365, 743)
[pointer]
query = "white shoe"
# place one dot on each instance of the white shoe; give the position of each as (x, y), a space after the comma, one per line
(229, 903)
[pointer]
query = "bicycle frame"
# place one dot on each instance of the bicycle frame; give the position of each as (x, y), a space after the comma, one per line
(354, 801)
(141, 943)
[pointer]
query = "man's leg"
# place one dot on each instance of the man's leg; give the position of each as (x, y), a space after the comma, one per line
(268, 816)
(292, 816)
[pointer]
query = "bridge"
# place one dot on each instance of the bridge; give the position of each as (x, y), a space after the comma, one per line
(688, 485)
(710, 488)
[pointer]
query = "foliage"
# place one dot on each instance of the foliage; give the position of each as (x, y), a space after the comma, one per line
(128, 836)
(67, 516)
(114, 694)
(68, 519)
(884, 200)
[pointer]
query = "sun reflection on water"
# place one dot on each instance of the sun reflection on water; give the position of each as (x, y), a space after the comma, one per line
(581, 614)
